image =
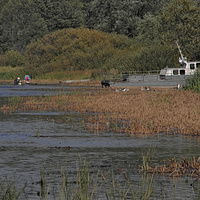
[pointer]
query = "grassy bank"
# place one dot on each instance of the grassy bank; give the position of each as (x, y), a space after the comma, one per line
(133, 112)
(8, 74)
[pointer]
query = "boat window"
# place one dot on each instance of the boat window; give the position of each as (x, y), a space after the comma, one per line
(175, 72)
(191, 66)
(198, 65)
(182, 72)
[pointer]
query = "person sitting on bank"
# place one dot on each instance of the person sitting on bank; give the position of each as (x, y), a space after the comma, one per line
(17, 81)
(27, 79)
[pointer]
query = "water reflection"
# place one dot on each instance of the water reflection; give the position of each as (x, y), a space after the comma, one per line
(30, 142)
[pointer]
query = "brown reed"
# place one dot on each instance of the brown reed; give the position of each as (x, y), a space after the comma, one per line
(176, 167)
(133, 112)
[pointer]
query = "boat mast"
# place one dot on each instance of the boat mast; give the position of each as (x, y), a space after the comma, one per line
(182, 59)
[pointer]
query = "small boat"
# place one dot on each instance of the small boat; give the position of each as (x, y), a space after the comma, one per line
(187, 69)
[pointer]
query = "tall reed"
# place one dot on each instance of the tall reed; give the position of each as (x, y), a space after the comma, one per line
(88, 183)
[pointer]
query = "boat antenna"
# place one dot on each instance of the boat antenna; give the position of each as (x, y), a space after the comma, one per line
(182, 59)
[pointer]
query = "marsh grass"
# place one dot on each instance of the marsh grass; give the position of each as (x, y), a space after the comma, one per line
(132, 112)
(9, 189)
(88, 183)
(109, 184)
(146, 159)
(174, 167)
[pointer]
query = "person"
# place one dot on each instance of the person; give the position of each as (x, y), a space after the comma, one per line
(17, 81)
(27, 79)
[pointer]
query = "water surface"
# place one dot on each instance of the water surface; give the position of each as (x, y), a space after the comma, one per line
(35, 142)
(30, 142)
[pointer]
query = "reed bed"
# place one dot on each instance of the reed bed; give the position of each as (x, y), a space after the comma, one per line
(132, 112)
(89, 183)
(175, 167)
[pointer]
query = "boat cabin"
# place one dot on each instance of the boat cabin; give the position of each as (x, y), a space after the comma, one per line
(188, 69)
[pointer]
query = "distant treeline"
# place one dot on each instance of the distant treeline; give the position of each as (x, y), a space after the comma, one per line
(100, 35)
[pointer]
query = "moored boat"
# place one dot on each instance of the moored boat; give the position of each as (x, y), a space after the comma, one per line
(187, 69)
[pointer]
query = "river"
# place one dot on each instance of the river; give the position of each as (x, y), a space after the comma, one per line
(31, 143)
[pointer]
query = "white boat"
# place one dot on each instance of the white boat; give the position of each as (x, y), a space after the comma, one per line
(187, 68)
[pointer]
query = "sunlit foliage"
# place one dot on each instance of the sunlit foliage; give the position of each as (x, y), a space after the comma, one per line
(76, 49)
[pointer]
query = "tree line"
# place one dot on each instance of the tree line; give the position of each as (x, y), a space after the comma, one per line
(126, 35)
(22, 20)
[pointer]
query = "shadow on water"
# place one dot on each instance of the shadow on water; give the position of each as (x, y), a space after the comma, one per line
(31, 142)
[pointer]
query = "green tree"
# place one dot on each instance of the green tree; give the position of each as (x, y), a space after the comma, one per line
(158, 35)
(148, 28)
(75, 49)
(60, 14)
(181, 21)
(120, 17)
(112, 16)
(19, 24)
(2, 4)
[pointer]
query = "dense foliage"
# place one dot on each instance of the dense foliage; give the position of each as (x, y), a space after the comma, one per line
(193, 83)
(76, 49)
(48, 36)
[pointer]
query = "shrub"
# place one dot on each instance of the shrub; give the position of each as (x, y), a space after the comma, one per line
(75, 49)
(193, 83)
(14, 58)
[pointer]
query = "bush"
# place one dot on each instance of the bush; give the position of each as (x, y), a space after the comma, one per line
(74, 50)
(193, 83)
(14, 58)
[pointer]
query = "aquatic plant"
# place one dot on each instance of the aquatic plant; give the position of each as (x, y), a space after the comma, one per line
(132, 112)
(9, 190)
(176, 167)
(110, 184)
(146, 159)
(89, 183)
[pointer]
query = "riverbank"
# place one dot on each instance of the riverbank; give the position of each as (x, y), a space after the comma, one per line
(84, 82)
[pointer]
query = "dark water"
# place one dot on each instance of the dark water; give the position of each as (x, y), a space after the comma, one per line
(32, 90)
(33, 142)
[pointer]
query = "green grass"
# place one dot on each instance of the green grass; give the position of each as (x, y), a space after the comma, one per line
(10, 73)
(73, 75)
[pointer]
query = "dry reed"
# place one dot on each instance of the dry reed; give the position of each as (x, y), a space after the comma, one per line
(176, 167)
(133, 112)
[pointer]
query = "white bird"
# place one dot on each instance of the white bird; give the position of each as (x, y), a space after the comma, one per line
(122, 90)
